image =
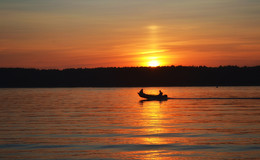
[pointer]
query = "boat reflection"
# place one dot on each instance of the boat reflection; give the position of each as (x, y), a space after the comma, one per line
(149, 100)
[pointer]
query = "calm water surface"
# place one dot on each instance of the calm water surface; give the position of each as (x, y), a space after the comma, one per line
(112, 123)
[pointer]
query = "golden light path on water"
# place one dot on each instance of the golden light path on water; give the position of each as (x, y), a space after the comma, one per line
(114, 123)
(156, 122)
(153, 117)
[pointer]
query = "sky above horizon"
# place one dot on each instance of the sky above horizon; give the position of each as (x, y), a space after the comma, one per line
(118, 33)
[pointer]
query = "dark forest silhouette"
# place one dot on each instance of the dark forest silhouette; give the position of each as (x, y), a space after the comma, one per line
(131, 76)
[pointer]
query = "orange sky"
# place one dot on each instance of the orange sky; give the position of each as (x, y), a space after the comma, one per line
(116, 33)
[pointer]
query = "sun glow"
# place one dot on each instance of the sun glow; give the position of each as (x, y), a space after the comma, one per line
(152, 54)
(153, 63)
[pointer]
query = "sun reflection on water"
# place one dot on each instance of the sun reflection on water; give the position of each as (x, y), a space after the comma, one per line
(152, 116)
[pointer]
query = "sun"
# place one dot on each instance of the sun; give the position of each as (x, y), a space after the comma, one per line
(154, 63)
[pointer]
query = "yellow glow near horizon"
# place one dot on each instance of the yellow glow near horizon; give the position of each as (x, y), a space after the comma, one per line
(154, 49)
(153, 54)
(153, 63)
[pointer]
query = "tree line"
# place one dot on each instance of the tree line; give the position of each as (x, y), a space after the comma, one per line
(131, 76)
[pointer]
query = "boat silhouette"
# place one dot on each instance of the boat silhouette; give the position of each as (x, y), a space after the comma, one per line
(153, 97)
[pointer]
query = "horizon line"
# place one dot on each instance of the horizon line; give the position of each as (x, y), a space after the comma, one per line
(130, 67)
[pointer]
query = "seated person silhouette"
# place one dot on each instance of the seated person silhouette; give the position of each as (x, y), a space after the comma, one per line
(160, 93)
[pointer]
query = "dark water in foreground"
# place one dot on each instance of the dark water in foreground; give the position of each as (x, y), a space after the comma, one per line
(112, 123)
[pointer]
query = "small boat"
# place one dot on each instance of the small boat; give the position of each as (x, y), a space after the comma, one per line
(153, 97)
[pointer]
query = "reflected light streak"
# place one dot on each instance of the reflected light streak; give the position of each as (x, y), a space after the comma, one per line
(153, 125)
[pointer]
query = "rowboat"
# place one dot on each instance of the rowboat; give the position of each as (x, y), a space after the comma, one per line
(153, 97)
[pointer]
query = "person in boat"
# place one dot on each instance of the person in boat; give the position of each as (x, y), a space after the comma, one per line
(141, 91)
(160, 93)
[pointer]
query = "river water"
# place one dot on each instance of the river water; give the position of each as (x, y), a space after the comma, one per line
(113, 123)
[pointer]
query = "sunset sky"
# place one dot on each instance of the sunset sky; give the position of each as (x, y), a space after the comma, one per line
(117, 33)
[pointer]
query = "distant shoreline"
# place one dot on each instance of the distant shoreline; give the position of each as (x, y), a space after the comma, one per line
(169, 76)
(125, 86)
